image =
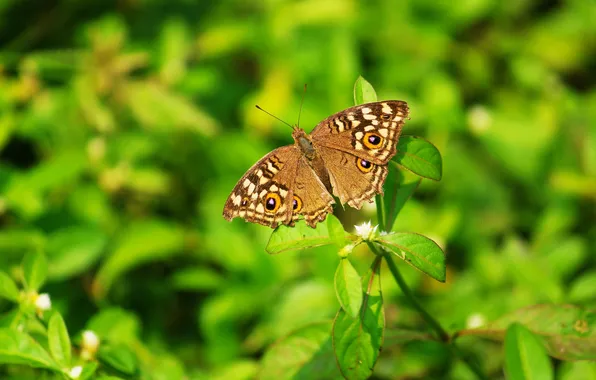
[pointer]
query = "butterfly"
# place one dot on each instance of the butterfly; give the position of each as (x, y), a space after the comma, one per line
(345, 155)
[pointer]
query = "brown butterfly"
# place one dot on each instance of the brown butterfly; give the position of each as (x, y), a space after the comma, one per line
(345, 155)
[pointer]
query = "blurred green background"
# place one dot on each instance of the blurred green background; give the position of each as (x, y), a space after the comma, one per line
(124, 125)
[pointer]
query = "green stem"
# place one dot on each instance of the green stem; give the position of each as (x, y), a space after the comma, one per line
(380, 201)
(433, 323)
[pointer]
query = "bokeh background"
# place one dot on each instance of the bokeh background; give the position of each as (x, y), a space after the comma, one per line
(125, 124)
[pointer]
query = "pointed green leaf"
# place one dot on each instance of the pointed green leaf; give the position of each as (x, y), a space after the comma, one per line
(399, 187)
(88, 370)
(59, 340)
(119, 357)
(568, 331)
(35, 269)
(20, 348)
(420, 157)
(417, 250)
(364, 92)
(348, 288)
(301, 236)
(8, 288)
(306, 353)
(73, 250)
(525, 357)
(357, 342)
(337, 234)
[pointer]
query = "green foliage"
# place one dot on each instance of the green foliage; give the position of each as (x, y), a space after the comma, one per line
(123, 128)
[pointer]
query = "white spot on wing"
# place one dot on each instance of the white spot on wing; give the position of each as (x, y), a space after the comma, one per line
(263, 180)
(369, 128)
(359, 135)
(386, 108)
(383, 132)
(246, 182)
(366, 110)
(369, 117)
(260, 208)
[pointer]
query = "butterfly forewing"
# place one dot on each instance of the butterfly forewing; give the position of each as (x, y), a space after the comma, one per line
(369, 131)
(263, 194)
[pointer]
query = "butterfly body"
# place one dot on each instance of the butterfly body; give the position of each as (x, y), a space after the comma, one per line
(345, 155)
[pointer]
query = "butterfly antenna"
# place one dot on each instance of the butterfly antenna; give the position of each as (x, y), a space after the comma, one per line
(273, 116)
(301, 103)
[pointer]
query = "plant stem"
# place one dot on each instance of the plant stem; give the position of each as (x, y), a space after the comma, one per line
(380, 202)
(433, 323)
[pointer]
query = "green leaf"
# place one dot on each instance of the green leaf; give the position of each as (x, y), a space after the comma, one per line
(420, 157)
(348, 288)
(525, 357)
(73, 250)
(357, 342)
(35, 269)
(20, 348)
(8, 288)
(88, 370)
(399, 187)
(419, 251)
(301, 236)
(583, 287)
(306, 353)
(337, 234)
(364, 92)
(115, 325)
(59, 340)
(119, 357)
(141, 243)
(568, 332)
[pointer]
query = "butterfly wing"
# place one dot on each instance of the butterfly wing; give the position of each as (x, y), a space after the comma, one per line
(356, 144)
(369, 131)
(279, 189)
(263, 194)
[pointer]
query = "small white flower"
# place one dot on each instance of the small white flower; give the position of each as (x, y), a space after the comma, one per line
(475, 320)
(89, 345)
(43, 302)
(366, 230)
(75, 372)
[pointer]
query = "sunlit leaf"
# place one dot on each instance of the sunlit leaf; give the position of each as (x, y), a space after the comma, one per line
(59, 340)
(73, 250)
(525, 357)
(300, 236)
(419, 251)
(398, 188)
(348, 288)
(420, 157)
(357, 341)
(118, 357)
(35, 269)
(19, 348)
(8, 288)
(306, 353)
(115, 325)
(364, 92)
